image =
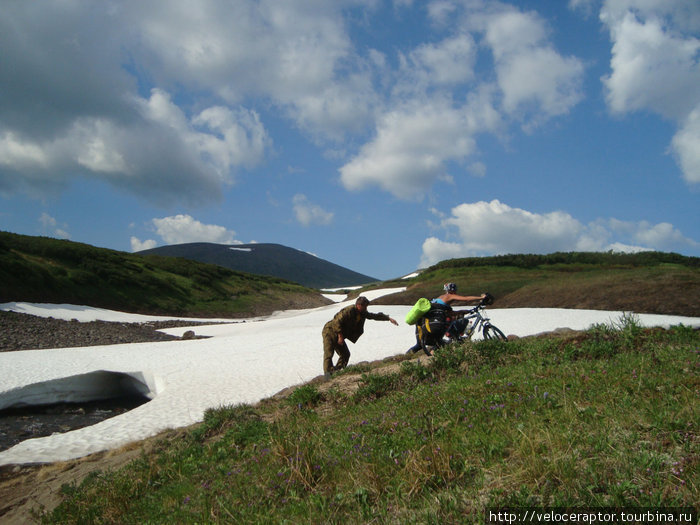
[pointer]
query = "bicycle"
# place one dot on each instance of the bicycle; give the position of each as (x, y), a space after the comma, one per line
(475, 320)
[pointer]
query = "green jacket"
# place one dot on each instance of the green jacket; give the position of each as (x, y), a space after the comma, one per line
(351, 322)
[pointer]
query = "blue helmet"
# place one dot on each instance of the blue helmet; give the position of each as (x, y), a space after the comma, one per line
(451, 288)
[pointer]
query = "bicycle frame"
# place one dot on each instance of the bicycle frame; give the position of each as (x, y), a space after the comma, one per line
(480, 321)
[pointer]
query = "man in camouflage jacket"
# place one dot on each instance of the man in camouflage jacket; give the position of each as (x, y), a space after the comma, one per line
(349, 324)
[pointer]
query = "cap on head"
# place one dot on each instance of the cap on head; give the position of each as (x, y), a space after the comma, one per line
(362, 300)
(451, 288)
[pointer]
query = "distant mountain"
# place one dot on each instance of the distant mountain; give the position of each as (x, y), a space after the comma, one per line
(267, 259)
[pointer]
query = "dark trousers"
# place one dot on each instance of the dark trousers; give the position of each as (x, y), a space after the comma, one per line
(428, 333)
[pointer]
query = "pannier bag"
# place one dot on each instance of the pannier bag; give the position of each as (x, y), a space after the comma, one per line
(419, 309)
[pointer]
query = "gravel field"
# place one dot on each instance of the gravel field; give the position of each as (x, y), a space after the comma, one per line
(28, 332)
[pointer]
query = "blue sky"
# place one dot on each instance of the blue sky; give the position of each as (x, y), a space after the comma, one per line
(380, 135)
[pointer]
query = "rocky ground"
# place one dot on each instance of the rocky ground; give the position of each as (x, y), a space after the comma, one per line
(28, 332)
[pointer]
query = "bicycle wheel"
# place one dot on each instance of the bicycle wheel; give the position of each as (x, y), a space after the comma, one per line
(491, 332)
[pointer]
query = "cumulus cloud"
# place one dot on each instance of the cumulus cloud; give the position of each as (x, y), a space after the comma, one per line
(410, 151)
(449, 62)
(440, 104)
(113, 108)
(494, 228)
(536, 81)
(180, 229)
(170, 104)
(686, 145)
(655, 66)
(291, 52)
(161, 155)
(73, 106)
(50, 226)
(308, 213)
(414, 145)
(137, 245)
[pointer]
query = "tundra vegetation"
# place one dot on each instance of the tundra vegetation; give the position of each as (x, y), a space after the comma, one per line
(601, 418)
(40, 269)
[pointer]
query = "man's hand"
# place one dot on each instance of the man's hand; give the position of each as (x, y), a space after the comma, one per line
(341, 339)
(393, 321)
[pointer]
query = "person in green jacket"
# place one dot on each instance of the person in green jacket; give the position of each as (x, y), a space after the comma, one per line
(348, 324)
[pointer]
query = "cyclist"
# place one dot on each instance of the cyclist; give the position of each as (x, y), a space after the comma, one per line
(450, 296)
(439, 320)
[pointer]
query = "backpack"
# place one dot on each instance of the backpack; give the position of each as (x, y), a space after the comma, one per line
(419, 309)
(439, 313)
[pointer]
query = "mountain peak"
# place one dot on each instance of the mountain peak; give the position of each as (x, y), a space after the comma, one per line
(275, 260)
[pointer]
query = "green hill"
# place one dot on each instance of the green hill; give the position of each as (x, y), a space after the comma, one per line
(40, 269)
(647, 282)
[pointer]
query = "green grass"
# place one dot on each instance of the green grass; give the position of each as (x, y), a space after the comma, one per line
(607, 417)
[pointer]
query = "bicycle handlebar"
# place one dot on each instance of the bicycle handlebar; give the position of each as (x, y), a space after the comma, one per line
(488, 299)
(483, 302)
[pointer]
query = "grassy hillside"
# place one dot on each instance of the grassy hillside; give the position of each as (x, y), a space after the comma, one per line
(38, 269)
(649, 282)
(603, 418)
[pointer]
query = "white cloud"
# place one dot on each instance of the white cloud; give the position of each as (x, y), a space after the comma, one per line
(223, 137)
(180, 229)
(686, 145)
(661, 236)
(409, 151)
(537, 82)
(449, 62)
(295, 53)
(652, 66)
(50, 226)
(655, 66)
(439, 105)
(84, 116)
(137, 245)
(494, 228)
(441, 12)
(210, 63)
(585, 6)
(19, 154)
(160, 154)
(308, 213)
(413, 145)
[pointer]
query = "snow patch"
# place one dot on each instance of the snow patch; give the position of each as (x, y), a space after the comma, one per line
(240, 362)
(92, 386)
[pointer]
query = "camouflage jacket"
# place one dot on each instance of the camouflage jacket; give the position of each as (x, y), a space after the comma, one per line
(351, 322)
